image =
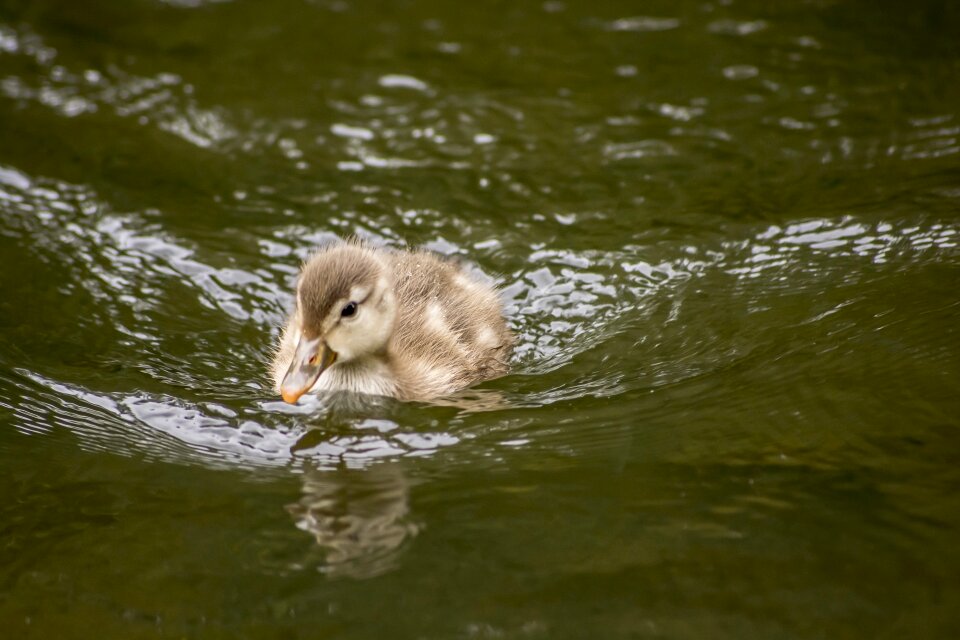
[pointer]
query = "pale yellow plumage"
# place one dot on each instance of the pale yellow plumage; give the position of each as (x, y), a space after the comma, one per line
(411, 325)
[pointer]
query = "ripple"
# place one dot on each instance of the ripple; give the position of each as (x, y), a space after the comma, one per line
(740, 72)
(115, 256)
(643, 23)
(395, 81)
(639, 150)
(726, 239)
(163, 100)
(597, 310)
(553, 303)
(174, 327)
(328, 433)
(878, 242)
(730, 27)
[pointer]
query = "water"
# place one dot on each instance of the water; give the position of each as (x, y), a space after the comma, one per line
(727, 238)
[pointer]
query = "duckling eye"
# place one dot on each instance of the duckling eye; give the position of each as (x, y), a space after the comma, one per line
(348, 309)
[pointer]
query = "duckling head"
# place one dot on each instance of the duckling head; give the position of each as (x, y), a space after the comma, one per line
(346, 311)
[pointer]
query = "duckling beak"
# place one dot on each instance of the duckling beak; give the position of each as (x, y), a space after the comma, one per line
(312, 358)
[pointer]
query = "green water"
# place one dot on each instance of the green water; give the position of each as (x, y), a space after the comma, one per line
(727, 238)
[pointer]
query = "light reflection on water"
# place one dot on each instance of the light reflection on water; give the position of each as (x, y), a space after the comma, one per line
(133, 270)
(670, 223)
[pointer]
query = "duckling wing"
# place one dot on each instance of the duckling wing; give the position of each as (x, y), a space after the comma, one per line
(450, 328)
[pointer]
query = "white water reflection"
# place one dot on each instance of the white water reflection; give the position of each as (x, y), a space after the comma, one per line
(126, 261)
(791, 246)
(324, 431)
(163, 100)
(207, 400)
(643, 24)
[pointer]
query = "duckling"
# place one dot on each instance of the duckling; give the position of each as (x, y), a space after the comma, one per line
(405, 324)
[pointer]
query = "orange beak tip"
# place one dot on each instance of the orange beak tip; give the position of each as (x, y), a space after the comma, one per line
(290, 396)
(310, 360)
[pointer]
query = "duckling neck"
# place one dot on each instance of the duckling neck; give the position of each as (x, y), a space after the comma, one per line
(371, 375)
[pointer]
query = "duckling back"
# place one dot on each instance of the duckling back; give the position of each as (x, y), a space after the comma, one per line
(450, 330)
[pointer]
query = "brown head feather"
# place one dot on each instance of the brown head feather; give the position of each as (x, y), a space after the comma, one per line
(329, 276)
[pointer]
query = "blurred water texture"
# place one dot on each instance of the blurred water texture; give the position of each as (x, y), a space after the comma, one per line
(726, 234)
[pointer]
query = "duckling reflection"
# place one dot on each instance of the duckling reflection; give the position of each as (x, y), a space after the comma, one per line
(404, 324)
(359, 517)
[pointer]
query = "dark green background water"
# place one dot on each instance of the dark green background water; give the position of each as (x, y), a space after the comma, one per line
(727, 235)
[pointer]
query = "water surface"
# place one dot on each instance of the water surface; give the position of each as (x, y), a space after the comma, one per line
(726, 234)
